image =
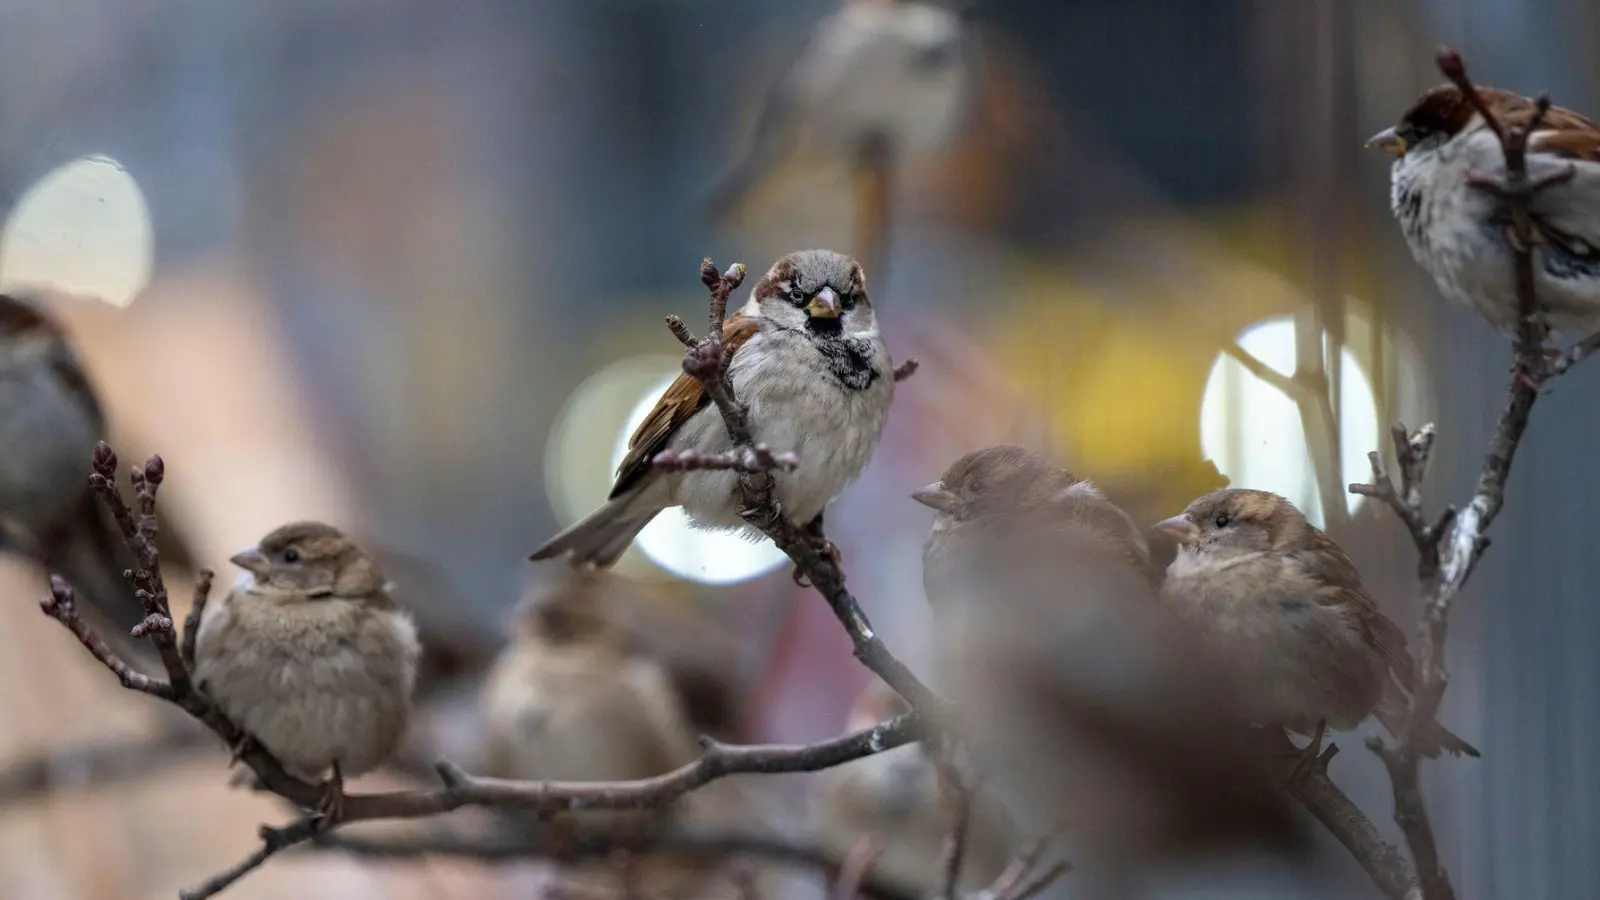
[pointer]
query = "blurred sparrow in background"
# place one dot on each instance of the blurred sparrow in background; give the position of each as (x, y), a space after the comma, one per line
(1462, 233)
(1081, 695)
(808, 362)
(1278, 602)
(311, 656)
(50, 421)
(895, 74)
(568, 700)
(894, 799)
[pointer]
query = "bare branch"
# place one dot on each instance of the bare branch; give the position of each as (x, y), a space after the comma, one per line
(273, 840)
(750, 459)
(906, 369)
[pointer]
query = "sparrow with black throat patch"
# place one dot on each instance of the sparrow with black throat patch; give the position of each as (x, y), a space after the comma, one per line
(1460, 232)
(808, 362)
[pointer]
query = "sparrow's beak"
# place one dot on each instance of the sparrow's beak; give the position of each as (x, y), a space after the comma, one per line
(1179, 527)
(1388, 142)
(825, 305)
(935, 496)
(250, 560)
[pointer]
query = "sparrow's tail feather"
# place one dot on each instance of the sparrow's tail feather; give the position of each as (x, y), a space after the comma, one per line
(1438, 737)
(600, 538)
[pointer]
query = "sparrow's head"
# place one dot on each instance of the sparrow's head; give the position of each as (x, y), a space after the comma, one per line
(1001, 479)
(26, 332)
(816, 291)
(1444, 113)
(313, 559)
(571, 610)
(1236, 521)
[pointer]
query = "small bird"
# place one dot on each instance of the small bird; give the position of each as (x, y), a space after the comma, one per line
(311, 655)
(1278, 601)
(50, 421)
(569, 700)
(1461, 233)
(1078, 690)
(893, 799)
(896, 73)
(808, 361)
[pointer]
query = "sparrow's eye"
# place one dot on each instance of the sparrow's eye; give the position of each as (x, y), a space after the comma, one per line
(291, 555)
(1222, 520)
(796, 294)
(848, 301)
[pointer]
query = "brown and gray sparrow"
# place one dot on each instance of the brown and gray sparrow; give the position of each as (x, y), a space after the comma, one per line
(808, 362)
(311, 656)
(50, 420)
(900, 72)
(893, 798)
(570, 699)
(1281, 605)
(1081, 694)
(1461, 234)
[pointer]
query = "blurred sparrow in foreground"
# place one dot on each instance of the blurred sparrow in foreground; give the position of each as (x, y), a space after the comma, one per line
(899, 72)
(1462, 233)
(808, 362)
(50, 421)
(893, 798)
(311, 656)
(1281, 604)
(1083, 697)
(567, 700)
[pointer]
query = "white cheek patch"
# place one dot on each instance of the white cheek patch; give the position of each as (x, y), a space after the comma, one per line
(244, 579)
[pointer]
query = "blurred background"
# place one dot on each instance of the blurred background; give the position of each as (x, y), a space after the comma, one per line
(402, 266)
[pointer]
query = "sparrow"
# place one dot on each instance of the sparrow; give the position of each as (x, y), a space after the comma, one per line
(807, 360)
(1074, 686)
(1270, 594)
(50, 421)
(571, 699)
(896, 76)
(893, 799)
(1461, 233)
(568, 699)
(312, 656)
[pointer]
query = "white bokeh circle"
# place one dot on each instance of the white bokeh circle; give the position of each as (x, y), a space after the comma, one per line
(1253, 431)
(671, 542)
(83, 228)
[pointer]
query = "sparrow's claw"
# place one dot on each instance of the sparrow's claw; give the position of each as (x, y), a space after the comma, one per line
(330, 809)
(1308, 756)
(238, 749)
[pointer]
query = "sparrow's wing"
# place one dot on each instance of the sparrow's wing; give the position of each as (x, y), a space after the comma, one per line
(1564, 214)
(1327, 561)
(682, 399)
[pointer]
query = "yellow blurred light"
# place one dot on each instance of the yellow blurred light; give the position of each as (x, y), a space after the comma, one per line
(83, 228)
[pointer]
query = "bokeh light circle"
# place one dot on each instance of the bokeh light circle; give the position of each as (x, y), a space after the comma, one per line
(588, 441)
(83, 228)
(1253, 432)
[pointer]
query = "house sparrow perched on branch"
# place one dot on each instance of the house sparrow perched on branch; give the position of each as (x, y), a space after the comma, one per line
(894, 798)
(1282, 605)
(1084, 696)
(895, 72)
(311, 655)
(569, 700)
(808, 362)
(50, 420)
(1460, 232)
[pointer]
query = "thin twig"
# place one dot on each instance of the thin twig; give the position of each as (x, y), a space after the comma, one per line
(906, 369)
(273, 841)
(748, 459)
